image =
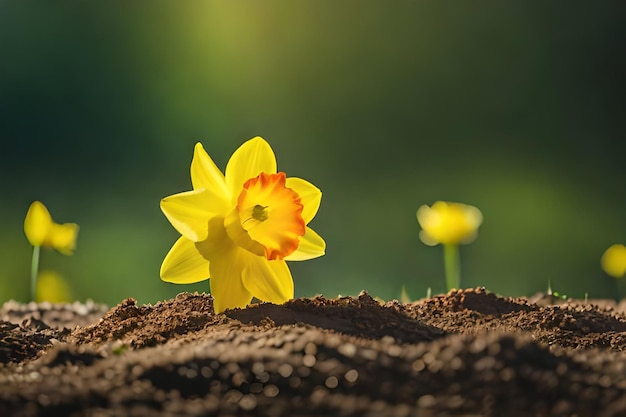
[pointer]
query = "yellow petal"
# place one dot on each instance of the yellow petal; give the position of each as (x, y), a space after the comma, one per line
(428, 239)
(310, 195)
(252, 158)
(184, 264)
(191, 211)
(267, 280)
(62, 237)
(614, 261)
(205, 174)
(226, 269)
(37, 223)
(311, 246)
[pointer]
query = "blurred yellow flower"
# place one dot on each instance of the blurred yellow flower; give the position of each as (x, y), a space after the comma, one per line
(448, 223)
(53, 288)
(40, 230)
(614, 261)
(241, 227)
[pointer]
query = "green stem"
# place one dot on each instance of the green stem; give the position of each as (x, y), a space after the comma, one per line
(452, 264)
(34, 271)
(621, 288)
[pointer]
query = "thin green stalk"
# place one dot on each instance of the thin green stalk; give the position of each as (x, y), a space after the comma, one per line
(452, 264)
(34, 271)
(621, 288)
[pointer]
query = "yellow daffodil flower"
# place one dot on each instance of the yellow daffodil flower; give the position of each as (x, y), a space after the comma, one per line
(614, 261)
(40, 230)
(241, 227)
(448, 223)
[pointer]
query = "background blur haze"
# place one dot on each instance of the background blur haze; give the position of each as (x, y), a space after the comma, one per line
(517, 108)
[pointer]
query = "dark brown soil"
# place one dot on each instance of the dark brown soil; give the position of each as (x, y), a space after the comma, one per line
(465, 353)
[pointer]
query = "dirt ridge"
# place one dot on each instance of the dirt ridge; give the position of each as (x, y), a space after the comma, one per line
(463, 353)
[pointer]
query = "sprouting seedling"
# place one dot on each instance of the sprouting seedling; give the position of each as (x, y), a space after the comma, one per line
(40, 231)
(554, 294)
(449, 224)
(120, 349)
(404, 296)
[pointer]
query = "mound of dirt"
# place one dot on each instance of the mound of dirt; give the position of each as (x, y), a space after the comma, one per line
(465, 353)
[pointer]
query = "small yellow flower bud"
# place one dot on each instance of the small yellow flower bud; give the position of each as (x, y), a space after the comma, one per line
(449, 223)
(41, 230)
(614, 261)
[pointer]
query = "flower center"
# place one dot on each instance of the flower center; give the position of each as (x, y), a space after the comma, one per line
(268, 215)
(259, 213)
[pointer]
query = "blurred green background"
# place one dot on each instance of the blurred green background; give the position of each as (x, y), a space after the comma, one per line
(514, 107)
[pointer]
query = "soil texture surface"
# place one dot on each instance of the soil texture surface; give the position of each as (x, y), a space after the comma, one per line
(466, 353)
